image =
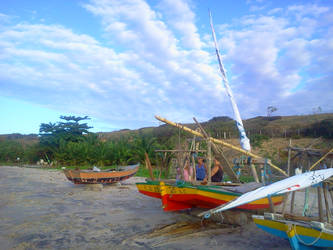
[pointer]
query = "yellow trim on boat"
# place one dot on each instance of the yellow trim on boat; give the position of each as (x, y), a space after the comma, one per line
(174, 190)
(290, 229)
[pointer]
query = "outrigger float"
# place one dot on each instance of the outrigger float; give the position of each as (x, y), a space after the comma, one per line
(101, 177)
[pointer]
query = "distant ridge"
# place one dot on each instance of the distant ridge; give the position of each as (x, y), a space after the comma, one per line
(274, 126)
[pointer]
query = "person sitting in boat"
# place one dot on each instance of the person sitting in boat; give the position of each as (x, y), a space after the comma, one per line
(200, 169)
(188, 171)
(217, 172)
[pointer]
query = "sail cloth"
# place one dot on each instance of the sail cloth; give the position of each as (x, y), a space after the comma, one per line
(290, 184)
(244, 141)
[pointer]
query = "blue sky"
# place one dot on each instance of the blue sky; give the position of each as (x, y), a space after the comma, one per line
(122, 62)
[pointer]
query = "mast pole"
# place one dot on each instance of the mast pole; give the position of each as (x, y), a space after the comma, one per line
(244, 141)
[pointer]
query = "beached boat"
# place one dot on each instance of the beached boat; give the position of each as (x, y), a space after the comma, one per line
(303, 232)
(183, 195)
(101, 177)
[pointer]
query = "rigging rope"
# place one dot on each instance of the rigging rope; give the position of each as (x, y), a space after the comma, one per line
(304, 243)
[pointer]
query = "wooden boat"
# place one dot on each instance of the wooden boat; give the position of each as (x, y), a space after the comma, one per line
(301, 234)
(102, 177)
(183, 195)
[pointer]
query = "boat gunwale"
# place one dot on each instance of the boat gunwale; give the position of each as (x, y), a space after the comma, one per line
(206, 188)
(294, 222)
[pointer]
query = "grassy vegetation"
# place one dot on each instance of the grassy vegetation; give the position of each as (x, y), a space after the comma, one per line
(125, 147)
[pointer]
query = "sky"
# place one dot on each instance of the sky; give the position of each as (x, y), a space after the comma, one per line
(122, 62)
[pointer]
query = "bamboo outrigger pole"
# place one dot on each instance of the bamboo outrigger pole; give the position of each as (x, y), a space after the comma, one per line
(322, 158)
(217, 141)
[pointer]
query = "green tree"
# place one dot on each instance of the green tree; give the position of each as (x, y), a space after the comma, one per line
(55, 136)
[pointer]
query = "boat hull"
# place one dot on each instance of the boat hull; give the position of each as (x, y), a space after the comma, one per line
(299, 236)
(89, 177)
(179, 197)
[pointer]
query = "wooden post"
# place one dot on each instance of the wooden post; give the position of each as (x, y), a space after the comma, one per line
(289, 155)
(194, 169)
(331, 192)
(209, 161)
(320, 205)
(254, 172)
(271, 204)
(285, 200)
(328, 212)
(292, 204)
(148, 165)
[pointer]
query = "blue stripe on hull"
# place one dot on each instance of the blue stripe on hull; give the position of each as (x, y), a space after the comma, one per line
(276, 232)
(295, 243)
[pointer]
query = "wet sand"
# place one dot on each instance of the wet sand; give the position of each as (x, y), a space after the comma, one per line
(41, 209)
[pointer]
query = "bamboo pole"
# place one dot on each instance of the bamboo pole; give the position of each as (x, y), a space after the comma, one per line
(322, 158)
(217, 141)
(219, 155)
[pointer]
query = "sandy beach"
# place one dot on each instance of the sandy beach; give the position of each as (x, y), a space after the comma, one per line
(41, 209)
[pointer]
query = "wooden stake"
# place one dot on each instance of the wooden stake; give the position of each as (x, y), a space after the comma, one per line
(320, 205)
(285, 200)
(254, 172)
(292, 204)
(194, 177)
(328, 212)
(271, 204)
(289, 155)
(148, 165)
(209, 161)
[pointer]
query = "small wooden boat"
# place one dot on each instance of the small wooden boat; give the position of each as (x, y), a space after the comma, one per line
(101, 177)
(301, 234)
(183, 195)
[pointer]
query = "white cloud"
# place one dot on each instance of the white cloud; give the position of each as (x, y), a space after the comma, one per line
(155, 62)
(275, 58)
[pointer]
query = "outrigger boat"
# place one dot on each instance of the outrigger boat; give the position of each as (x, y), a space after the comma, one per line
(101, 177)
(303, 232)
(180, 195)
(184, 195)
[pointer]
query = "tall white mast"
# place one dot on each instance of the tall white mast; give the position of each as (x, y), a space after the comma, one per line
(244, 141)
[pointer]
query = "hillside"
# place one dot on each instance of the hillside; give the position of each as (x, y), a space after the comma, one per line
(274, 126)
(224, 127)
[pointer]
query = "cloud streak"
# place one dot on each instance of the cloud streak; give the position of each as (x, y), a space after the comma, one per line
(156, 61)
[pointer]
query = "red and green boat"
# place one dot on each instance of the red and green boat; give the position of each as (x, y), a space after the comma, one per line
(183, 195)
